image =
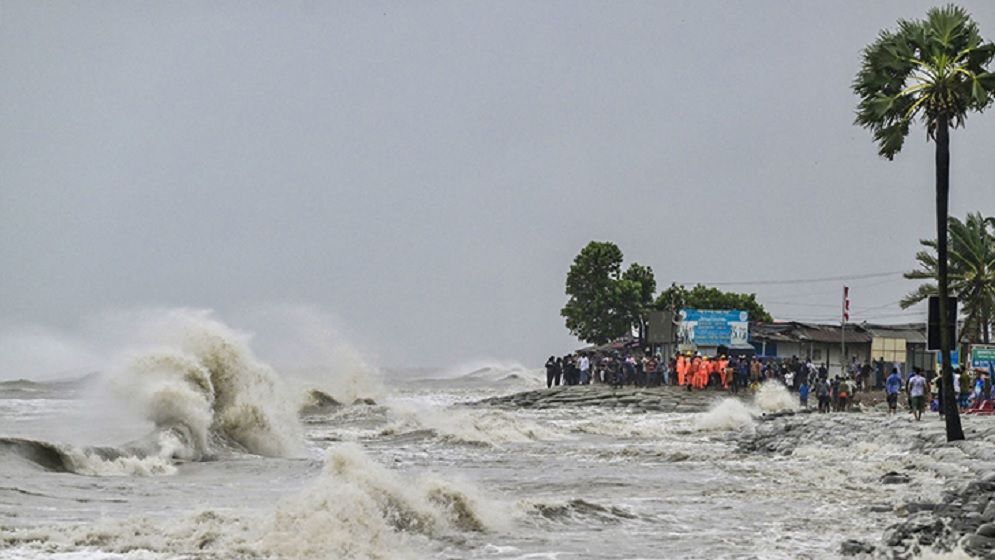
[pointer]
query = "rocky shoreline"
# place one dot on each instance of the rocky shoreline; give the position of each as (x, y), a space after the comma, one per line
(960, 517)
(635, 399)
(963, 516)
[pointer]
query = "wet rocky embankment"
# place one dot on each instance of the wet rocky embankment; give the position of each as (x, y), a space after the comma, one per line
(636, 399)
(960, 517)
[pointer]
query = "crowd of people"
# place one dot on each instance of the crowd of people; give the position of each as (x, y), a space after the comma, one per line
(973, 388)
(693, 371)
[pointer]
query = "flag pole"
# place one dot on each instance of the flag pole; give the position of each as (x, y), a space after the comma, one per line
(843, 319)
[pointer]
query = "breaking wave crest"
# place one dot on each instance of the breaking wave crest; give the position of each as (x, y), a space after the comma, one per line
(358, 508)
(200, 387)
(94, 461)
(206, 383)
(354, 509)
(487, 427)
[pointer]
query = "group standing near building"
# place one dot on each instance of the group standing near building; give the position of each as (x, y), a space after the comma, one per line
(694, 371)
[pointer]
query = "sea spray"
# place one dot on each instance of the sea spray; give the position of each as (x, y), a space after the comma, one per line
(733, 413)
(773, 396)
(311, 351)
(202, 379)
(354, 509)
(727, 414)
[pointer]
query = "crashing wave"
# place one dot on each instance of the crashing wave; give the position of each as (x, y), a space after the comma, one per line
(355, 509)
(466, 426)
(208, 385)
(202, 389)
(732, 413)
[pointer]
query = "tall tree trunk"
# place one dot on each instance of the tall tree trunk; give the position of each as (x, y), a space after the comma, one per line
(986, 330)
(951, 415)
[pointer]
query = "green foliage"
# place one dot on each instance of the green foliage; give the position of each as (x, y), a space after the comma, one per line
(971, 273)
(934, 69)
(703, 297)
(603, 303)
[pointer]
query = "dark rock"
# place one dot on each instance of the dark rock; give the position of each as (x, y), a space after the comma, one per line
(853, 547)
(987, 530)
(895, 478)
(979, 544)
(916, 507)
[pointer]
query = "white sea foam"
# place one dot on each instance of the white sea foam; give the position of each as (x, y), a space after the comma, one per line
(462, 425)
(359, 509)
(727, 414)
(201, 376)
(774, 397)
(733, 413)
(355, 509)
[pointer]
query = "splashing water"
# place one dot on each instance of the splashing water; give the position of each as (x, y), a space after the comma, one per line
(774, 397)
(733, 413)
(208, 388)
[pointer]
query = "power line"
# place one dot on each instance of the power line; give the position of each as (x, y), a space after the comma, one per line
(798, 280)
(797, 304)
(836, 290)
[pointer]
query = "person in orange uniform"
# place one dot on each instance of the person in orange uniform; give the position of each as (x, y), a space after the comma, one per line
(704, 370)
(682, 369)
(696, 367)
(724, 371)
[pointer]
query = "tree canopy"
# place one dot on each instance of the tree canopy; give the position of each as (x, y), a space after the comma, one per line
(971, 261)
(604, 304)
(703, 297)
(934, 69)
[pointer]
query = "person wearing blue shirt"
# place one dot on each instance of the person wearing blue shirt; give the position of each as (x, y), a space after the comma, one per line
(892, 387)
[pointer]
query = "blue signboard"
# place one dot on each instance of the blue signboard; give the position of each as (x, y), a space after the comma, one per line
(713, 327)
(954, 359)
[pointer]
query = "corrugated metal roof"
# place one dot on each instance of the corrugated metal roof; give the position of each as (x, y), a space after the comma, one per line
(808, 332)
(911, 332)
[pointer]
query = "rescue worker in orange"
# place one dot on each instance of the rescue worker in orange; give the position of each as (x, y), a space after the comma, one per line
(682, 369)
(725, 371)
(704, 371)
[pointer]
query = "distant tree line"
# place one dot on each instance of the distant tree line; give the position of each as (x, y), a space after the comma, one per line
(605, 303)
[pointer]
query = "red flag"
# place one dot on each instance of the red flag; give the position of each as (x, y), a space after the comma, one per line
(846, 303)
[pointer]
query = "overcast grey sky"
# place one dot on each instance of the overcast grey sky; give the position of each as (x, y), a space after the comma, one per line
(424, 172)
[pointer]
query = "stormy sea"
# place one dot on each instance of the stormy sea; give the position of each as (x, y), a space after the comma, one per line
(193, 447)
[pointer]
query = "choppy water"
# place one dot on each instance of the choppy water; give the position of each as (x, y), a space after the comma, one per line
(195, 450)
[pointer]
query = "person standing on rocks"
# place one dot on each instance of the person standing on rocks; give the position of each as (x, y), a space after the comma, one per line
(552, 372)
(892, 387)
(822, 392)
(844, 391)
(964, 380)
(917, 393)
(834, 393)
(585, 370)
(803, 394)
(629, 369)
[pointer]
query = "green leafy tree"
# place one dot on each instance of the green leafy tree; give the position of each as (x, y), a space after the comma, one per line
(970, 275)
(636, 289)
(603, 303)
(934, 70)
(702, 297)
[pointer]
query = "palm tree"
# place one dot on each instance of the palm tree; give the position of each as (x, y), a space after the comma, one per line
(934, 70)
(971, 274)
